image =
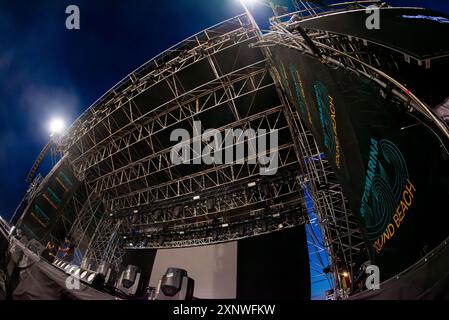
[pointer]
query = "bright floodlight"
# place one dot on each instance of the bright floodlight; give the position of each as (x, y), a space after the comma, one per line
(57, 126)
(248, 2)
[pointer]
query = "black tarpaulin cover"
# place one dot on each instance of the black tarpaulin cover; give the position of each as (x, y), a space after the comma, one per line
(32, 278)
(426, 280)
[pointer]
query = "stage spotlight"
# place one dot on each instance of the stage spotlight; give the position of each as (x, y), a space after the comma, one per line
(108, 272)
(330, 294)
(56, 126)
(175, 285)
(58, 263)
(171, 281)
(84, 274)
(129, 282)
(130, 276)
(93, 279)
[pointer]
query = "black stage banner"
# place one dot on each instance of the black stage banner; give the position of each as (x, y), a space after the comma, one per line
(48, 205)
(274, 266)
(388, 162)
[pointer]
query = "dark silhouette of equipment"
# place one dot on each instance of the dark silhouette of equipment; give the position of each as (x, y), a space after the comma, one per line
(129, 282)
(38, 161)
(176, 285)
(94, 279)
(4, 235)
(88, 264)
(91, 278)
(108, 273)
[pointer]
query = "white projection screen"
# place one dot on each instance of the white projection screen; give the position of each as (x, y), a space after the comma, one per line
(214, 269)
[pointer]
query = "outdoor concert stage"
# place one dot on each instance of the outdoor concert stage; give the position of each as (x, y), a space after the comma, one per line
(362, 173)
(248, 269)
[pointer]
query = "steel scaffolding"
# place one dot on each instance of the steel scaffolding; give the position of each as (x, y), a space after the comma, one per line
(137, 198)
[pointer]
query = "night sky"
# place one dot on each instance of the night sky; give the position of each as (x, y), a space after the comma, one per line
(47, 70)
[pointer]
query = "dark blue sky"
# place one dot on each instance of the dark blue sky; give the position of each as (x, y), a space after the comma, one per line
(47, 71)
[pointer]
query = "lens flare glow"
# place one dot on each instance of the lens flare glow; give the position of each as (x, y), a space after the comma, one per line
(56, 126)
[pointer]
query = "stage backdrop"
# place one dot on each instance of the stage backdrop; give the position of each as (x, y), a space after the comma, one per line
(389, 162)
(40, 219)
(274, 266)
(214, 269)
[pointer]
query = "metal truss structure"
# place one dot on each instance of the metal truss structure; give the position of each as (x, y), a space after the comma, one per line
(136, 197)
(378, 63)
(83, 139)
(5, 229)
(121, 150)
(133, 196)
(343, 239)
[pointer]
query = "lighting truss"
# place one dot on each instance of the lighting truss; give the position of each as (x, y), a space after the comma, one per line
(117, 147)
(363, 58)
(162, 68)
(139, 196)
(344, 240)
